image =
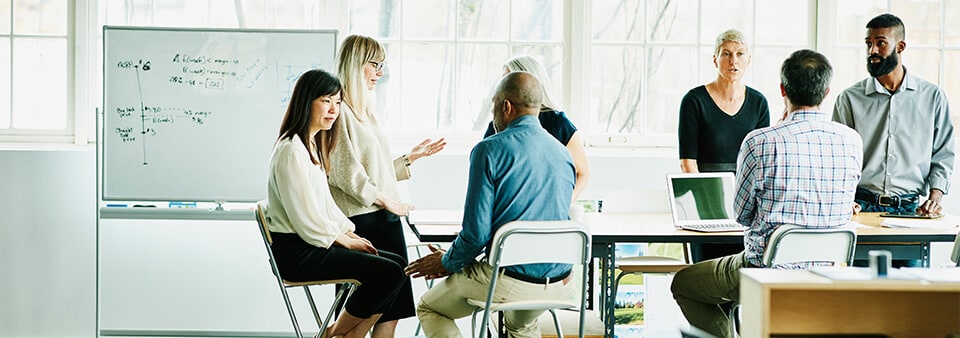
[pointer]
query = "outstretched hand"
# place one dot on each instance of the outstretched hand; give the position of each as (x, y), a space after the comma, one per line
(429, 266)
(426, 148)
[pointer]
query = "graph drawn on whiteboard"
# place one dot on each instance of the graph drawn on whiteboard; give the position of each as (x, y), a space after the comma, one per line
(200, 73)
(192, 114)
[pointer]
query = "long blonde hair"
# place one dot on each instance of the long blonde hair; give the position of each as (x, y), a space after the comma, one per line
(355, 52)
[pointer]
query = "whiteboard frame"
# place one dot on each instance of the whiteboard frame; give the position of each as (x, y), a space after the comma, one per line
(102, 155)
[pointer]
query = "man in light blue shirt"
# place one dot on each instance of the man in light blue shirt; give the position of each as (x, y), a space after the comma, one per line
(519, 173)
(905, 125)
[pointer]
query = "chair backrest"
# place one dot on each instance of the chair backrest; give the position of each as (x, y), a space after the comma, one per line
(262, 221)
(795, 244)
(955, 255)
(526, 242)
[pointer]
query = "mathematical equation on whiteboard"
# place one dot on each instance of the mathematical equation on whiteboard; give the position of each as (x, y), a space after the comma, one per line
(193, 71)
(146, 115)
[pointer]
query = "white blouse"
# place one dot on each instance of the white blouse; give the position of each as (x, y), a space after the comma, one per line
(298, 197)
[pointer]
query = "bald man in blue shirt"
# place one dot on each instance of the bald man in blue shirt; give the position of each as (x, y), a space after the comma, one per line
(519, 173)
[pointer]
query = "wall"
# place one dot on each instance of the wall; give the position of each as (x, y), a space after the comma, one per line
(48, 250)
(616, 175)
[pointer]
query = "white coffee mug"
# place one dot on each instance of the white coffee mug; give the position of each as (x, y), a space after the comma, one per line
(576, 212)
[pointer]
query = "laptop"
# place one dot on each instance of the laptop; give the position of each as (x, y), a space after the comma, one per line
(703, 201)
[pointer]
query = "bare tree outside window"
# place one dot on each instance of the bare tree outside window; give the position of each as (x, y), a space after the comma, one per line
(445, 55)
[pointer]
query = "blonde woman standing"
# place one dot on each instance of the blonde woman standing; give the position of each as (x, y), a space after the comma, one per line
(364, 185)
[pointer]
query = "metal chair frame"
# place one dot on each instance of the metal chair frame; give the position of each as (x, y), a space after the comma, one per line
(503, 253)
(795, 244)
(344, 292)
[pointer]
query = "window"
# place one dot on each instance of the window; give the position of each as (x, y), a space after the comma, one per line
(638, 47)
(932, 53)
(34, 59)
(441, 71)
(619, 67)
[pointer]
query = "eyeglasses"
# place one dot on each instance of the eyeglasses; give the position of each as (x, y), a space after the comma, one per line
(377, 66)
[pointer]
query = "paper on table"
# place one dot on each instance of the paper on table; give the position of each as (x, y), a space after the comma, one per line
(935, 274)
(858, 273)
(946, 222)
(855, 224)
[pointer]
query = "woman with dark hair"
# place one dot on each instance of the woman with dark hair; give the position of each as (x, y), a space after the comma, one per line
(312, 238)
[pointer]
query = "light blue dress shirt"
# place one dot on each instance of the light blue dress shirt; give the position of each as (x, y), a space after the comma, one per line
(520, 173)
(907, 135)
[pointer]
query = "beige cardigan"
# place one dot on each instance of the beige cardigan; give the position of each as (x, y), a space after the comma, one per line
(361, 166)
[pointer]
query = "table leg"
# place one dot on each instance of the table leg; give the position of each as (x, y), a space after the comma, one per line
(608, 299)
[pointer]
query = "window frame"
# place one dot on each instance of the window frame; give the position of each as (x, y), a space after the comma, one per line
(77, 130)
(84, 85)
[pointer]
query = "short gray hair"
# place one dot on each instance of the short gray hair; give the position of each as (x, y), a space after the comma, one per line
(731, 35)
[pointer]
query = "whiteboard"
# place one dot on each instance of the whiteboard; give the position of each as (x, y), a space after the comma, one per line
(192, 114)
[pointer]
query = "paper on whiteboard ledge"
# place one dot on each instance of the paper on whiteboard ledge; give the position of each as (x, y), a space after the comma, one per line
(946, 222)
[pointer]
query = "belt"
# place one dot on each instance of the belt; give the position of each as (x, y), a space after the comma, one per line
(886, 200)
(716, 167)
(519, 276)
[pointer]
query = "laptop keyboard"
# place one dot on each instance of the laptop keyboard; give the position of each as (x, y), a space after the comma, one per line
(713, 227)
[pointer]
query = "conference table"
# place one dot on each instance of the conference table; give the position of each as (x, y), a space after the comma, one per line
(607, 229)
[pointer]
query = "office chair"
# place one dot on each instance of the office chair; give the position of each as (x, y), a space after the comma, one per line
(652, 201)
(955, 254)
(343, 293)
(646, 264)
(523, 242)
(795, 244)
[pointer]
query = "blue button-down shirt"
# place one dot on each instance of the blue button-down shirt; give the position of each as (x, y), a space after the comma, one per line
(803, 171)
(520, 173)
(907, 135)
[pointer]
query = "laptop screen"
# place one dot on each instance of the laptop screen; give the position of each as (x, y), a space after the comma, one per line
(701, 197)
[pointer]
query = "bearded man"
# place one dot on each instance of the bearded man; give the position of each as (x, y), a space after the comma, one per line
(904, 122)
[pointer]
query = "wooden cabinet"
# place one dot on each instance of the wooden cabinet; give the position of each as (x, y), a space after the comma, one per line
(801, 303)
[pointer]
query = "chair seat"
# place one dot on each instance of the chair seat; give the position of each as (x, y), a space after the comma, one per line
(650, 264)
(320, 282)
(538, 304)
(592, 328)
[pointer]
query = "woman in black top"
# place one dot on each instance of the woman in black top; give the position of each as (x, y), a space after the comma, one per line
(714, 119)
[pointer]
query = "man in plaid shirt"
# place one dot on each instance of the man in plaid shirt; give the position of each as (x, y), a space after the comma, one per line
(803, 171)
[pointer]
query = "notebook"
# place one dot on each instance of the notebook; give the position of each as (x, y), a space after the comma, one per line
(703, 201)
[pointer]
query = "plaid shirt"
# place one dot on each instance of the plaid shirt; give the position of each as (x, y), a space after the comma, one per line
(803, 171)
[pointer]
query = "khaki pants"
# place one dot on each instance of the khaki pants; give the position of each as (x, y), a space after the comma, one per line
(701, 288)
(447, 301)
